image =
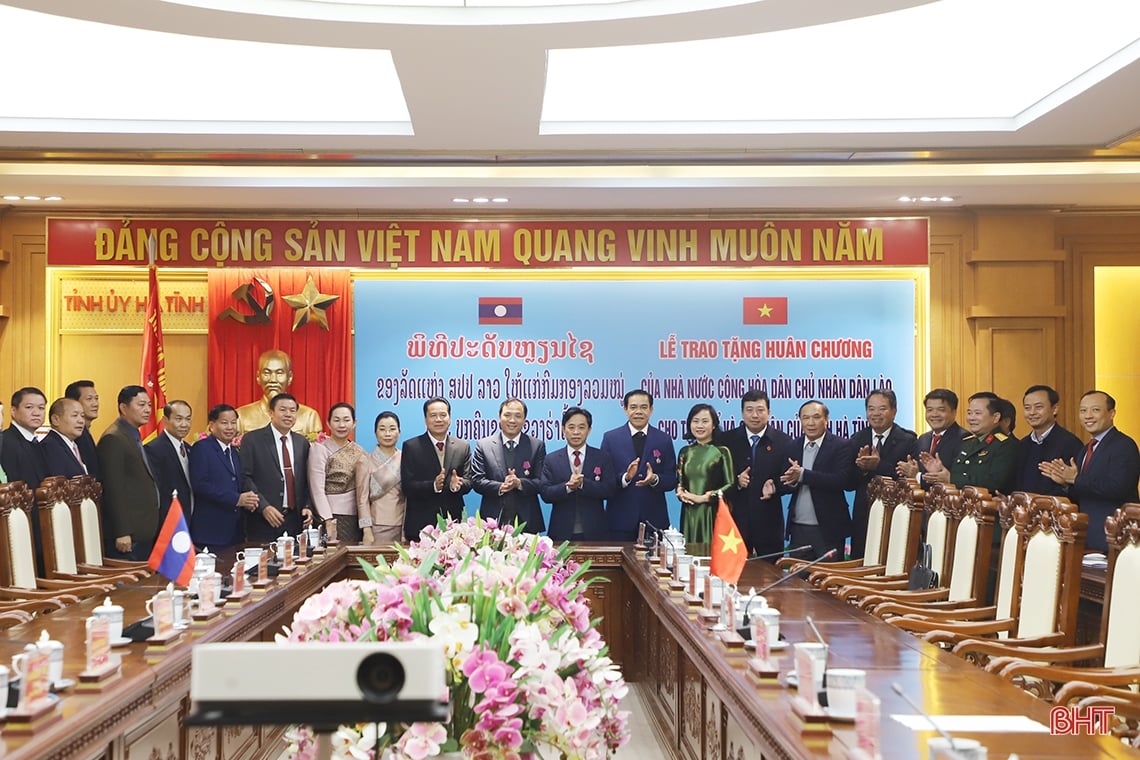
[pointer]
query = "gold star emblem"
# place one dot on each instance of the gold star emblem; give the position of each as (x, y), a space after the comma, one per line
(765, 310)
(310, 304)
(731, 541)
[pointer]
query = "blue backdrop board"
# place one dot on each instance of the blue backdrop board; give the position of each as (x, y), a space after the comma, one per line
(556, 343)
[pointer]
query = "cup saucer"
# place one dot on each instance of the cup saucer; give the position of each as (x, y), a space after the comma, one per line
(63, 684)
(777, 647)
(122, 641)
(792, 680)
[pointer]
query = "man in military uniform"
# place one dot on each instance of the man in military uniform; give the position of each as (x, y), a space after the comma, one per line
(988, 457)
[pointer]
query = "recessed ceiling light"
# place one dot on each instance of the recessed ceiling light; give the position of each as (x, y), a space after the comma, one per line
(480, 200)
(54, 198)
(459, 200)
(12, 198)
(946, 199)
(500, 200)
(32, 197)
(906, 199)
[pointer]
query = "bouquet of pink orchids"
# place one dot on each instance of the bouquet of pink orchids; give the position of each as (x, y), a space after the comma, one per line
(528, 672)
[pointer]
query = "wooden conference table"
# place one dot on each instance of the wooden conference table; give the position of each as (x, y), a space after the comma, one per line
(705, 704)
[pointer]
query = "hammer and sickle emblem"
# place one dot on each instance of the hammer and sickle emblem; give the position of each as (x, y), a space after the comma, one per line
(248, 294)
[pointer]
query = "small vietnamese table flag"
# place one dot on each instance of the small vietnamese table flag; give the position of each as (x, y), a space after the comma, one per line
(728, 550)
(173, 553)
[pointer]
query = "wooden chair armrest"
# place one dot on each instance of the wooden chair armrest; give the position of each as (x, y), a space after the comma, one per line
(793, 564)
(904, 596)
(950, 630)
(863, 589)
(1080, 690)
(1007, 648)
(1060, 674)
(86, 588)
(934, 612)
(34, 605)
(127, 564)
(27, 595)
(101, 574)
(826, 571)
(9, 618)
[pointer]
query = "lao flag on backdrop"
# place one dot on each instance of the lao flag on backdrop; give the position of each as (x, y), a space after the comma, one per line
(728, 550)
(500, 311)
(173, 553)
(770, 310)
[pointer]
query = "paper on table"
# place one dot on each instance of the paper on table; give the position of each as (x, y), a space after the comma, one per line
(979, 723)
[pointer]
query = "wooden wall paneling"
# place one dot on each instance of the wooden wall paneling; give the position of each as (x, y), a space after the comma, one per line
(715, 719)
(1014, 353)
(158, 738)
(691, 709)
(949, 345)
(23, 349)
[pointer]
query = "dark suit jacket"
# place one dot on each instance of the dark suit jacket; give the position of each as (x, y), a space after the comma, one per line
(761, 521)
(489, 470)
(600, 480)
(58, 458)
(829, 476)
(130, 497)
(216, 521)
(948, 446)
(899, 444)
(90, 454)
(1059, 444)
(419, 464)
(22, 459)
(1108, 482)
(261, 473)
(169, 475)
(633, 504)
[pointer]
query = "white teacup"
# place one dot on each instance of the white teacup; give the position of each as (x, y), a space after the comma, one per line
(113, 614)
(842, 686)
(55, 648)
(250, 556)
(314, 537)
(964, 749)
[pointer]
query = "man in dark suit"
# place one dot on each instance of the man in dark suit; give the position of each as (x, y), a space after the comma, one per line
(576, 480)
(169, 457)
(506, 469)
(760, 456)
(84, 392)
(648, 464)
(879, 447)
(61, 453)
(822, 466)
(1046, 441)
(20, 455)
(275, 466)
(216, 480)
(1105, 474)
(130, 496)
(944, 438)
(435, 471)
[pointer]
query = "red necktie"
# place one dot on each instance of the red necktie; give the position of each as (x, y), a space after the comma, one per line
(78, 456)
(1088, 454)
(577, 462)
(439, 445)
(185, 451)
(287, 463)
(934, 442)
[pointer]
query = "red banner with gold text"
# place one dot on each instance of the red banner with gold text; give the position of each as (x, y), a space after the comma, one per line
(519, 244)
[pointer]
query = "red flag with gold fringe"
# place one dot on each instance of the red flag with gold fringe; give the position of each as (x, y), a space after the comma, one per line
(153, 354)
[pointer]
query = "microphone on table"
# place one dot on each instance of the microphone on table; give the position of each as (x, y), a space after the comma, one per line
(779, 553)
(777, 582)
(897, 688)
(818, 635)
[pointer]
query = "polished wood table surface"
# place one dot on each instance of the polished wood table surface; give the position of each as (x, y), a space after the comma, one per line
(707, 703)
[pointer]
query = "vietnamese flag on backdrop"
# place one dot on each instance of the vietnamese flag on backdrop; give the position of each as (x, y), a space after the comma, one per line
(770, 310)
(728, 550)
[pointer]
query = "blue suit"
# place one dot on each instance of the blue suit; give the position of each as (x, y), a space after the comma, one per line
(598, 484)
(1108, 482)
(216, 481)
(634, 504)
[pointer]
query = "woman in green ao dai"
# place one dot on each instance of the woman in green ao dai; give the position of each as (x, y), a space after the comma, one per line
(704, 470)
